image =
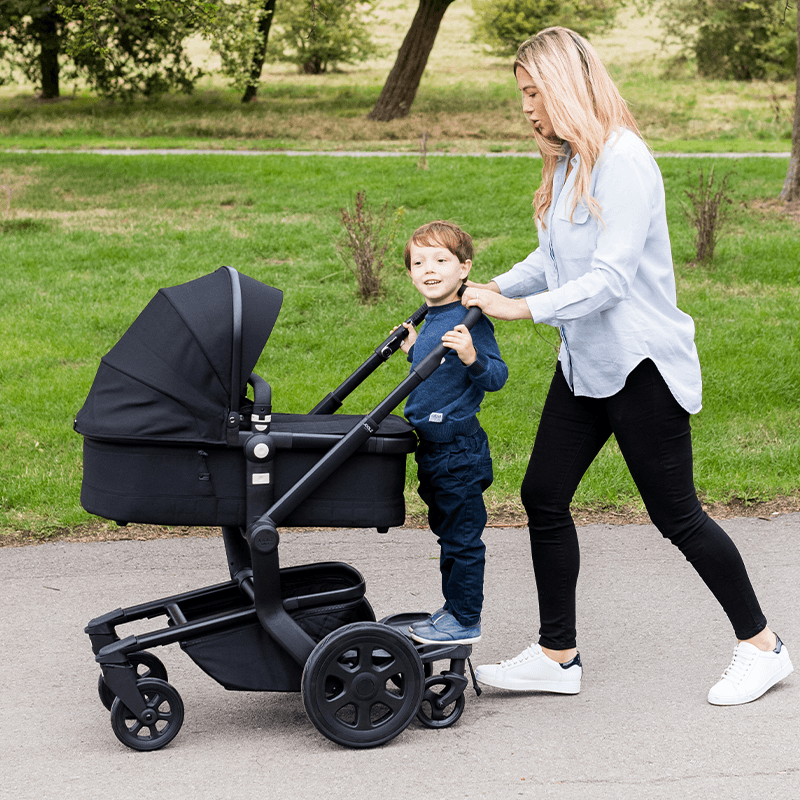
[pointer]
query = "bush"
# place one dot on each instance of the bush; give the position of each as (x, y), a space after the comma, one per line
(504, 25)
(368, 235)
(708, 212)
(734, 39)
(317, 35)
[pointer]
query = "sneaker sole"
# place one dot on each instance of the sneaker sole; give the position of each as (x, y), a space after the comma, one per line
(784, 672)
(553, 687)
(422, 640)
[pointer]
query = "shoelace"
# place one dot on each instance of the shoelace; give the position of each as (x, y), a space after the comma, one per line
(740, 666)
(524, 656)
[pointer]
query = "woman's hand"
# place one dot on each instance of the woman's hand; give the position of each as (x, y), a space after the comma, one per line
(488, 298)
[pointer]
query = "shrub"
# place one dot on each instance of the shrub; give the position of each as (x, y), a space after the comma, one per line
(317, 35)
(503, 25)
(708, 212)
(734, 39)
(368, 235)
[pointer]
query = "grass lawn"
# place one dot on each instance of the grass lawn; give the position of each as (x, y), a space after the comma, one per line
(89, 240)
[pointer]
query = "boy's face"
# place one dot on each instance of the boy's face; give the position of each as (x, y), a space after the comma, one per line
(437, 274)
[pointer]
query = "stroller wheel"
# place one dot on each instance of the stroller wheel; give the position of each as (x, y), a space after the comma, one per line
(442, 704)
(165, 707)
(362, 684)
(147, 666)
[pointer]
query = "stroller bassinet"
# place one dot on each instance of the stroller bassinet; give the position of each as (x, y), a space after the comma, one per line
(171, 438)
(165, 408)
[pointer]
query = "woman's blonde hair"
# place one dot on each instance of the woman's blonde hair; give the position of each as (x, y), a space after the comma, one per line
(583, 104)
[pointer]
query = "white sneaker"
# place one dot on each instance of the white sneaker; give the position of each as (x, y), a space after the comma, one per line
(750, 674)
(532, 670)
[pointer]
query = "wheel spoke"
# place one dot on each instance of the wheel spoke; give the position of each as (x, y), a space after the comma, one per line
(345, 675)
(136, 727)
(394, 701)
(364, 715)
(336, 704)
(380, 661)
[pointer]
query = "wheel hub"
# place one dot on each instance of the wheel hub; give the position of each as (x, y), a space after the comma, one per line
(365, 687)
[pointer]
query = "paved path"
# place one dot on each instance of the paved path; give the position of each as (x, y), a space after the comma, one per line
(652, 640)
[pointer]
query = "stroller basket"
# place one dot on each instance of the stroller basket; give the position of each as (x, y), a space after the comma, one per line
(319, 597)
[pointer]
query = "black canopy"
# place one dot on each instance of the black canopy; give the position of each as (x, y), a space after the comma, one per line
(170, 378)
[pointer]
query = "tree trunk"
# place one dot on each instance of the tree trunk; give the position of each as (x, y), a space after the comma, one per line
(791, 187)
(264, 25)
(46, 27)
(401, 86)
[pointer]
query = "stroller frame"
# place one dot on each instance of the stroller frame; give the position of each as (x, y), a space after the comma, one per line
(362, 681)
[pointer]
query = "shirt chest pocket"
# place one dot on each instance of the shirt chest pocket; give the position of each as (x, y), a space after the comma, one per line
(576, 238)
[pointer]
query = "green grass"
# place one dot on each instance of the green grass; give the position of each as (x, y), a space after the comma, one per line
(469, 116)
(90, 239)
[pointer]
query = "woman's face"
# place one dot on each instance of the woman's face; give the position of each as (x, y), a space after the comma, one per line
(533, 105)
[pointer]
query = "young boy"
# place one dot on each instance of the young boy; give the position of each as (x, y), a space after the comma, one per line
(453, 462)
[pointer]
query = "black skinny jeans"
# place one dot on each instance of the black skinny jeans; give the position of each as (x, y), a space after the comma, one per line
(654, 435)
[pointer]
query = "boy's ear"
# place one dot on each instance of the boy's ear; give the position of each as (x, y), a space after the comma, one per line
(465, 268)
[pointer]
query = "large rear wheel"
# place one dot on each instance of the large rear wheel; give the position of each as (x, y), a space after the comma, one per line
(363, 684)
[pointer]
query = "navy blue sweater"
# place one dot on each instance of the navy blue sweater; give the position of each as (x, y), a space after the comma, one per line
(447, 403)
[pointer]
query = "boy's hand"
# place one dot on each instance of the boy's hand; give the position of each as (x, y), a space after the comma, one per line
(407, 343)
(459, 339)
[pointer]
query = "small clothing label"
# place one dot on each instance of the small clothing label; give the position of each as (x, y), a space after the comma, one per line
(436, 416)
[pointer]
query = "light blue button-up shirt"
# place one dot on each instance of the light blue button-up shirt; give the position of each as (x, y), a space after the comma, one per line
(610, 287)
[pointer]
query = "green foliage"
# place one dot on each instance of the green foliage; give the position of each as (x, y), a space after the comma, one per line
(237, 39)
(503, 25)
(318, 35)
(734, 39)
(122, 49)
(27, 27)
(132, 48)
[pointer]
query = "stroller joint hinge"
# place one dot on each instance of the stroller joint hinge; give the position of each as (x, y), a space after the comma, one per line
(261, 423)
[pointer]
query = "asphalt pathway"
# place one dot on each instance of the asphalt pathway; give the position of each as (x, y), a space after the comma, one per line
(652, 641)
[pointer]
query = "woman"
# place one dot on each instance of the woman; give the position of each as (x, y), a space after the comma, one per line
(628, 366)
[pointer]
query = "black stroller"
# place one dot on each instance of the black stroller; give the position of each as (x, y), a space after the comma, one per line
(171, 438)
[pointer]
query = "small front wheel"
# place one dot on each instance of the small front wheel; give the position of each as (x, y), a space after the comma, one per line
(146, 665)
(442, 703)
(164, 717)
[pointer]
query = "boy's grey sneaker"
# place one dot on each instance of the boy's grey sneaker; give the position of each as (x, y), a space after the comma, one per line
(532, 670)
(428, 620)
(750, 674)
(446, 629)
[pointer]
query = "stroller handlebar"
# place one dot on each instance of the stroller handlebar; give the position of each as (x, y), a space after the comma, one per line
(392, 343)
(382, 353)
